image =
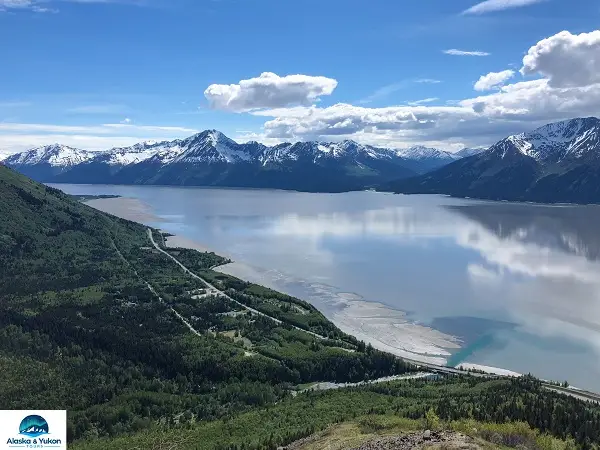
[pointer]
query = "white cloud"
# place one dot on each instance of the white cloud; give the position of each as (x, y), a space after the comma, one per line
(384, 91)
(15, 3)
(107, 128)
(427, 81)
(566, 60)
(498, 5)
(14, 104)
(16, 137)
(423, 101)
(126, 120)
(33, 5)
(535, 101)
(14, 143)
(103, 108)
(40, 6)
(456, 52)
(477, 121)
(493, 80)
(269, 91)
(394, 87)
(394, 126)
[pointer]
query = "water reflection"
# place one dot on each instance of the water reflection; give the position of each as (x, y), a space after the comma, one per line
(542, 264)
(572, 229)
(516, 285)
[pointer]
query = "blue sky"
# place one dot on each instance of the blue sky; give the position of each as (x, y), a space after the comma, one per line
(99, 73)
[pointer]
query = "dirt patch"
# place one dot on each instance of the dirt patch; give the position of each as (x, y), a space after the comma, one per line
(423, 440)
(347, 437)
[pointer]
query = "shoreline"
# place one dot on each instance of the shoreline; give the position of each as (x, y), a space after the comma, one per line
(384, 328)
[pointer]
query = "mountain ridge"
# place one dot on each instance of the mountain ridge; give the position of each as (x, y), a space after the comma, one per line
(556, 163)
(210, 158)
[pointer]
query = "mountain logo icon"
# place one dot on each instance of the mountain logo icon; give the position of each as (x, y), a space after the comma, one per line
(33, 426)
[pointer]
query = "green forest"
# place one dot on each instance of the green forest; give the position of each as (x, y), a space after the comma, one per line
(95, 320)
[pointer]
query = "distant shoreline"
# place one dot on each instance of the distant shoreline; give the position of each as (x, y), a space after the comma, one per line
(86, 198)
(368, 189)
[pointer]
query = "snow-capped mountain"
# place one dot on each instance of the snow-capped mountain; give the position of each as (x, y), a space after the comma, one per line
(212, 146)
(137, 153)
(559, 162)
(556, 142)
(48, 161)
(211, 158)
(55, 155)
(423, 159)
(319, 152)
(420, 152)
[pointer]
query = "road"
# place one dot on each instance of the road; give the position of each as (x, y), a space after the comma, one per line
(183, 319)
(582, 395)
(210, 286)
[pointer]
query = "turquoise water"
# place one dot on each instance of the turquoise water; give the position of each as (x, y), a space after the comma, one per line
(519, 285)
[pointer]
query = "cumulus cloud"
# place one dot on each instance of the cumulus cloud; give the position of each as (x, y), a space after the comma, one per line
(537, 100)
(456, 52)
(373, 125)
(493, 80)
(269, 91)
(498, 5)
(566, 60)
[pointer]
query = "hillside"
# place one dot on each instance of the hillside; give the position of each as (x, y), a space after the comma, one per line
(212, 159)
(77, 317)
(556, 163)
(95, 320)
(343, 419)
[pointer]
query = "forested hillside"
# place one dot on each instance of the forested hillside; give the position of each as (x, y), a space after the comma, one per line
(81, 330)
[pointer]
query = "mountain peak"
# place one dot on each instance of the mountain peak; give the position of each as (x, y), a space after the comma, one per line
(420, 152)
(53, 154)
(557, 141)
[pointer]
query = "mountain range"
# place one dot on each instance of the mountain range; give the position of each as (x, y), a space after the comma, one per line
(212, 159)
(556, 163)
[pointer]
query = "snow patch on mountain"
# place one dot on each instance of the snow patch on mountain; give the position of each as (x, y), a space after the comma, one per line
(420, 152)
(55, 155)
(212, 146)
(555, 142)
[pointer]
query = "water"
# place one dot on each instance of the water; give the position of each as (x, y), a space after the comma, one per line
(515, 286)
